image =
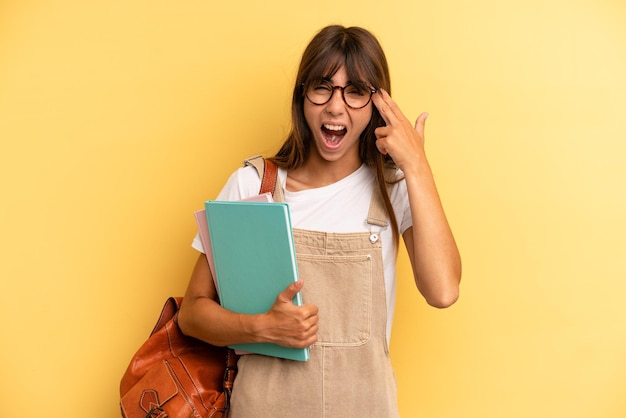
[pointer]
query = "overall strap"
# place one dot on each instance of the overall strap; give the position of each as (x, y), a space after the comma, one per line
(378, 213)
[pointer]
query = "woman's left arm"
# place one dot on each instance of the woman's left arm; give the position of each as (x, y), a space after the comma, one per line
(430, 244)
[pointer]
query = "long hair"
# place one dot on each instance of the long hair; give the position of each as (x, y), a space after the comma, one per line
(362, 56)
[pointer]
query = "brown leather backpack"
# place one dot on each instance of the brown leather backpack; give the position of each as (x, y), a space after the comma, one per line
(174, 375)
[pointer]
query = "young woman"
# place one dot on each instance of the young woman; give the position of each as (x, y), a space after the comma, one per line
(355, 175)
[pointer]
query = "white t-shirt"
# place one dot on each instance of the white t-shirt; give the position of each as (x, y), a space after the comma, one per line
(339, 207)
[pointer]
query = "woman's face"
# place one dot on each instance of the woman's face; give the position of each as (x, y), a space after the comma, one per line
(335, 127)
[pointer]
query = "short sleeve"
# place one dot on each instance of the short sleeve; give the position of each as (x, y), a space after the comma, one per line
(401, 206)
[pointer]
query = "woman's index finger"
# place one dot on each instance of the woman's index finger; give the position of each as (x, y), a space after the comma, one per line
(386, 106)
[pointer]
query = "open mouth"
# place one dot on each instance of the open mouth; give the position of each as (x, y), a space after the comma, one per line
(333, 134)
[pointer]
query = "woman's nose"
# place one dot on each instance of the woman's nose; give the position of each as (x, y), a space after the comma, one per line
(336, 103)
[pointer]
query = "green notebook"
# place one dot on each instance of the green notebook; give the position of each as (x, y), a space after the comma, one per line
(255, 260)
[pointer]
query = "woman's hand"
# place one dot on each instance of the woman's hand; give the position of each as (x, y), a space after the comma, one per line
(289, 325)
(400, 139)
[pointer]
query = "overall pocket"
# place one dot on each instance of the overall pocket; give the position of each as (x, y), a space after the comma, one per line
(341, 287)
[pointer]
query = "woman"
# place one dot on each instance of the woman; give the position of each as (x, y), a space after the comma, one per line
(355, 175)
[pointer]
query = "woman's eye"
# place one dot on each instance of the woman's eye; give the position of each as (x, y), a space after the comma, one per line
(322, 88)
(355, 91)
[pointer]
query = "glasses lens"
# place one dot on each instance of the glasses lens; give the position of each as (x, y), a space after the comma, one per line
(319, 92)
(356, 96)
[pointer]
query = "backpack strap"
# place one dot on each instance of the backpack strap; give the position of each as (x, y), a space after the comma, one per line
(268, 181)
(268, 172)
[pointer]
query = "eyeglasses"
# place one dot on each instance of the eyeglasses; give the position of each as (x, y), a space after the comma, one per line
(355, 95)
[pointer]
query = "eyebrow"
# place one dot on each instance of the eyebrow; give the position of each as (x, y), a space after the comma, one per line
(358, 83)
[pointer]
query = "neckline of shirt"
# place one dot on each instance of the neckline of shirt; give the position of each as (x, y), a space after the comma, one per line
(349, 179)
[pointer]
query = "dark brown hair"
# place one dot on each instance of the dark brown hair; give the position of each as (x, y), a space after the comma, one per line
(362, 56)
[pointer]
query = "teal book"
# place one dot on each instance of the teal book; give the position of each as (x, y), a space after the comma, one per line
(255, 259)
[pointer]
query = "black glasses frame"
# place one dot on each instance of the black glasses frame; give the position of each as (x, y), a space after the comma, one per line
(372, 91)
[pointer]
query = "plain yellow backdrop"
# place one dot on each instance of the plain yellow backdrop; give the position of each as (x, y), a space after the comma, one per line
(119, 118)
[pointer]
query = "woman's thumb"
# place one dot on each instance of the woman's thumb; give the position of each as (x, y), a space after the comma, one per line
(290, 292)
(420, 123)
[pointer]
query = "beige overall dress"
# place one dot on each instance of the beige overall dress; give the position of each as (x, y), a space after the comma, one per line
(349, 373)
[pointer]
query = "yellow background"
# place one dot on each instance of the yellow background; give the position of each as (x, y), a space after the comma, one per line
(119, 118)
